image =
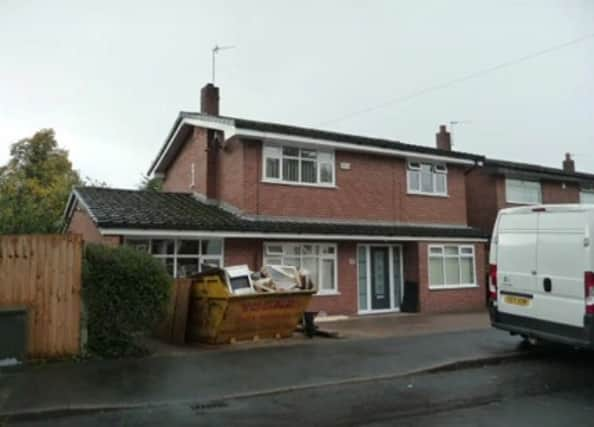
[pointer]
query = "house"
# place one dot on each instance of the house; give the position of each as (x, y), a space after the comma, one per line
(501, 184)
(377, 223)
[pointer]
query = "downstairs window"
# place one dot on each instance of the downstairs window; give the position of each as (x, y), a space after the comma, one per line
(587, 196)
(451, 266)
(319, 259)
(182, 258)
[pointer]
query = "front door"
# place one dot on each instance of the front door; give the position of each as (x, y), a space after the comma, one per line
(380, 278)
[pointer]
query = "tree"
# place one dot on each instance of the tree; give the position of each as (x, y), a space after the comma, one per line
(35, 184)
(151, 184)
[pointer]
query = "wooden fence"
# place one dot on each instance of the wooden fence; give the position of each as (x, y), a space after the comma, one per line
(173, 327)
(42, 273)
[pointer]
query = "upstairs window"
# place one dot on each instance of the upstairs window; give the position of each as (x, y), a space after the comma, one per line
(587, 196)
(427, 178)
(523, 192)
(298, 165)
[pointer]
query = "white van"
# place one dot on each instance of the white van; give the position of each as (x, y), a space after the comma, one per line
(541, 280)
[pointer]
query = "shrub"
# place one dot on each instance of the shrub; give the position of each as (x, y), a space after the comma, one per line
(125, 293)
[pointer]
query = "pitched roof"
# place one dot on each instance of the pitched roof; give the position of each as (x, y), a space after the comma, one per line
(532, 171)
(116, 208)
(348, 138)
(148, 210)
(238, 125)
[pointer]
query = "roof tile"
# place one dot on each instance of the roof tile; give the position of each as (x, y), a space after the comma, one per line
(136, 209)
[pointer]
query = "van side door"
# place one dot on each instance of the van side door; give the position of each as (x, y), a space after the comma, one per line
(562, 258)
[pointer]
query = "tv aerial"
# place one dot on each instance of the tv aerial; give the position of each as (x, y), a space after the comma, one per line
(215, 50)
(453, 123)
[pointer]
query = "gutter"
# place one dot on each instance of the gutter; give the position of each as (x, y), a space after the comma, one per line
(477, 164)
(279, 236)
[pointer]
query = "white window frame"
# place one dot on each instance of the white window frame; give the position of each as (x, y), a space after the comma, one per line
(437, 169)
(200, 257)
(267, 148)
(459, 256)
(588, 192)
(522, 182)
(320, 258)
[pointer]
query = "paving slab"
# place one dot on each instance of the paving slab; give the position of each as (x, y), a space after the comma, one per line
(407, 324)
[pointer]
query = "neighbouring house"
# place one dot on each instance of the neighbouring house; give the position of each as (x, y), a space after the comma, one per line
(501, 184)
(376, 222)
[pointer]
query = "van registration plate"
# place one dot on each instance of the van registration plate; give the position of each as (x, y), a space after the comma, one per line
(516, 300)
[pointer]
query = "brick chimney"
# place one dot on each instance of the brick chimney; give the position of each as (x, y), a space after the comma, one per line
(568, 164)
(443, 139)
(209, 100)
(209, 104)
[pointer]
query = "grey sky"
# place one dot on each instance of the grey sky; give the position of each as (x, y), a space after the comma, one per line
(111, 76)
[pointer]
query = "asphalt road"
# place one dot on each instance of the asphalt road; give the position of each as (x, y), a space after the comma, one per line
(550, 388)
(233, 371)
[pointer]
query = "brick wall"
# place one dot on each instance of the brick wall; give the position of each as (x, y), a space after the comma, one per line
(81, 223)
(481, 199)
(375, 188)
(252, 174)
(244, 251)
(553, 192)
(451, 300)
(178, 178)
(230, 173)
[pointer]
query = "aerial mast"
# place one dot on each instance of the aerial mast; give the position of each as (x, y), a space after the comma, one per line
(214, 51)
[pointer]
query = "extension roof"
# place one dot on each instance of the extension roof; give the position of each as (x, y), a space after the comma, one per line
(116, 211)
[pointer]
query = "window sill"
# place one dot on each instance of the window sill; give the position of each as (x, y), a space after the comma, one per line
(300, 184)
(327, 294)
(451, 287)
(419, 193)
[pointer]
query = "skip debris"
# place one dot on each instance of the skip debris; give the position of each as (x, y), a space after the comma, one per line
(270, 278)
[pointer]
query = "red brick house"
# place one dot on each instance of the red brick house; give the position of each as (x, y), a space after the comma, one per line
(501, 184)
(378, 223)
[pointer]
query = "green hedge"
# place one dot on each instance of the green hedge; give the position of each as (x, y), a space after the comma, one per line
(125, 294)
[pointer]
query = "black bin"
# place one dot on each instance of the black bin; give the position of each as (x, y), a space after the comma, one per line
(410, 301)
(13, 330)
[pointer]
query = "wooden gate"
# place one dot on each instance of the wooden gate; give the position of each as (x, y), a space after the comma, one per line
(42, 273)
